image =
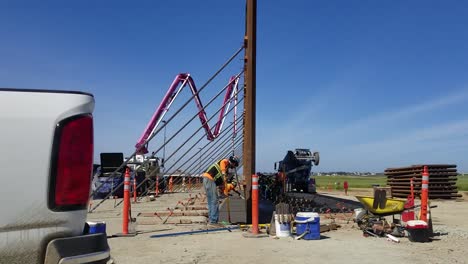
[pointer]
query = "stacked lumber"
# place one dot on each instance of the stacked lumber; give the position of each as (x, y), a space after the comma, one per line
(442, 181)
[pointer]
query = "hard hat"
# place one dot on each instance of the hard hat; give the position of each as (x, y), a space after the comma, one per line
(234, 160)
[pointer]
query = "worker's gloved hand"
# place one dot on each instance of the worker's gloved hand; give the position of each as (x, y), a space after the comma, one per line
(230, 177)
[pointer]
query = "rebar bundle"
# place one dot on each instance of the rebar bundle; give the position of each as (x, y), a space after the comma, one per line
(442, 181)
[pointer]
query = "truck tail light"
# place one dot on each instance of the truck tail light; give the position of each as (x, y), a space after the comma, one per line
(72, 163)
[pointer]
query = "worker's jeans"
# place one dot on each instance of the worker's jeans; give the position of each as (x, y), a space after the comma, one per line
(212, 197)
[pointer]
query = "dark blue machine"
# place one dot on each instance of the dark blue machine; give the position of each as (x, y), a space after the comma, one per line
(296, 168)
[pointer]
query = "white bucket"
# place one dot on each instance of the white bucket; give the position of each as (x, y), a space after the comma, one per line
(284, 229)
(358, 213)
(132, 226)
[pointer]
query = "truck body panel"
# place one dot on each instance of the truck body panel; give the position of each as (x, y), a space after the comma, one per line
(28, 119)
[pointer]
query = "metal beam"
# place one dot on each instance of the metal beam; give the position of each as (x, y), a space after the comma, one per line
(249, 103)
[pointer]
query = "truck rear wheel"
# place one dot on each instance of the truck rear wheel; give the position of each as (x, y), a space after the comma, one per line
(316, 156)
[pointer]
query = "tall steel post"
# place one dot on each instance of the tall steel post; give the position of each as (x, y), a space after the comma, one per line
(250, 40)
(164, 146)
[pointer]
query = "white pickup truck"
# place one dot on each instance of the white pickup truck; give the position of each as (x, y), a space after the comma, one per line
(46, 160)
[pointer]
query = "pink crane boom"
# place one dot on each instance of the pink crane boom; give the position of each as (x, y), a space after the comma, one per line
(180, 81)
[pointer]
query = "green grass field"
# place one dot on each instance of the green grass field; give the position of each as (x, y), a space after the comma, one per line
(462, 183)
(368, 181)
(353, 181)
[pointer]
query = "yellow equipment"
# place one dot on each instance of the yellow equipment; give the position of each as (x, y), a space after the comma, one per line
(229, 187)
(391, 206)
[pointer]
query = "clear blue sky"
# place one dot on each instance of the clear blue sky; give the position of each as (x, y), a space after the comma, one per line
(369, 84)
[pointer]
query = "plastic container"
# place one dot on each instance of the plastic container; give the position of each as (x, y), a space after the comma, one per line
(418, 231)
(282, 229)
(359, 213)
(308, 225)
(97, 227)
(132, 226)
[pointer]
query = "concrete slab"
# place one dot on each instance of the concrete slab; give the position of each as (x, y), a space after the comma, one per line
(237, 209)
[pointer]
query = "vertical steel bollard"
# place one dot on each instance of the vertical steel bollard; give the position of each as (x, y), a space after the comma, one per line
(157, 186)
(424, 194)
(170, 184)
(412, 188)
(134, 190)
(183, 184)
(254, 204)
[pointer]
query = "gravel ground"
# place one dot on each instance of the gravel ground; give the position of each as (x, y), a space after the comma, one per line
(345, 245)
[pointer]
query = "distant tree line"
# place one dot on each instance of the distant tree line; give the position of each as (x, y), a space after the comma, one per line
(333, 173)
(341, 173)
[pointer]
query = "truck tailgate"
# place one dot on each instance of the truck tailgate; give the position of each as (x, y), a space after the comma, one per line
(28, 119)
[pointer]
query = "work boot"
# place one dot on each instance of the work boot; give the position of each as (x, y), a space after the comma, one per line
(215, 225)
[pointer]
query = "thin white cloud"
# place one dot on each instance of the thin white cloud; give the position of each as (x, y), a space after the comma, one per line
(438, 133)
(311, 104)
(299, 131)
(407, 112)
(441, 143)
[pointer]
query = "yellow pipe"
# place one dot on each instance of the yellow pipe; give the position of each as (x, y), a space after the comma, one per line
(260, 225)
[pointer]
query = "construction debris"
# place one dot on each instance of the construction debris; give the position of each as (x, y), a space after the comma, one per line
(328, 227)
(317, 203)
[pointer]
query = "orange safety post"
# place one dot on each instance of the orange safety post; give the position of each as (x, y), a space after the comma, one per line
(254, 204)
(283, 181)
(134, 190)
(170, 184)
(156, 191)
(126, 205)
(424, 194)
(408, 214)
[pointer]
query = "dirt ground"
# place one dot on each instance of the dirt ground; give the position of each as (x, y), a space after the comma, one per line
(345, 245)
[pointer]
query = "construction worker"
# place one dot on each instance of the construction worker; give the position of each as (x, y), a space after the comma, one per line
(214, 177)
(280, 181)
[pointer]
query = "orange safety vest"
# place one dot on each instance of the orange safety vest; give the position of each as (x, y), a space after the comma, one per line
(216, 171)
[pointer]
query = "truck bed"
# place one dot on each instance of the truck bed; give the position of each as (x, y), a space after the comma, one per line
(28, 119)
